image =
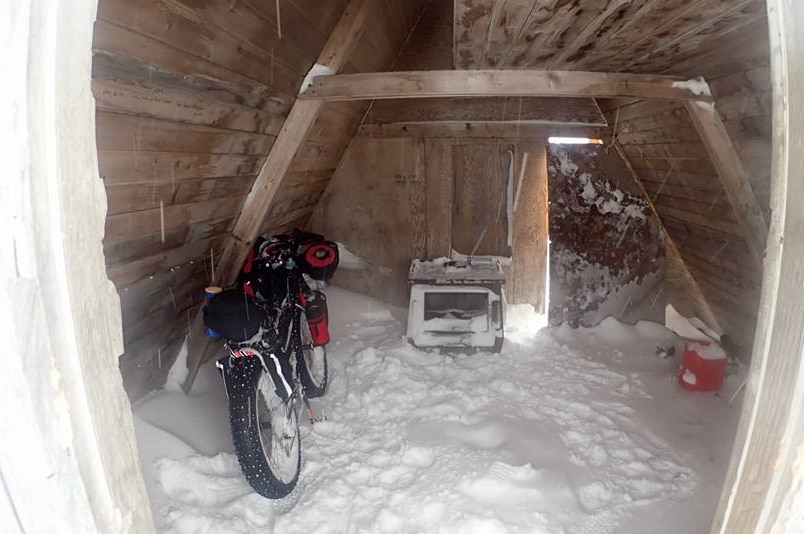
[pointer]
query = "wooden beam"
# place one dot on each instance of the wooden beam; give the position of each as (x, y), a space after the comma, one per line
(480, 129)
(735, 180)
(486, 83)
(760, 493)
(300, 119)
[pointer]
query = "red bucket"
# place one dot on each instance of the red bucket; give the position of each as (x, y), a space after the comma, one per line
(703, 367)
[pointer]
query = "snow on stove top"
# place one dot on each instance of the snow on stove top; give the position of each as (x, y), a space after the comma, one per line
(566, 431)
(468, 269)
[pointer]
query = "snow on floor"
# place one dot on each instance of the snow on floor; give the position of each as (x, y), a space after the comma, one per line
(567, 431)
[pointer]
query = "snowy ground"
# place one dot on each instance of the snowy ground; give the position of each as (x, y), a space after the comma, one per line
(567, 431)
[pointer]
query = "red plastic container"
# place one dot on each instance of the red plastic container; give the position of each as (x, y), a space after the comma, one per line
(703, 367)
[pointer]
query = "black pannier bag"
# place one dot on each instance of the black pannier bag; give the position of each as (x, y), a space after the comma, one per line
(233, 315)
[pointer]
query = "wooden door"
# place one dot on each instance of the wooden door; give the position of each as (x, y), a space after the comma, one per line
(482, 199)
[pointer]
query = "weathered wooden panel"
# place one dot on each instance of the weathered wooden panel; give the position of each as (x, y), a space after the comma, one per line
(132, 270)
(130, 50)
(569, 111)
(480, 208)
(604, 35)
(430, 45)
(390, 201)
(146, 99)
(689, 195)
(375, 204)
(125, 226)
(472, 20)
(117, 131)
(130, 167)
(439, 185)
(479, 130)
(256, 24)
(527, 282)
(181, 28)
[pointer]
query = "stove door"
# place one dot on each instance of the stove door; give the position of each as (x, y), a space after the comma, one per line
(455, 317)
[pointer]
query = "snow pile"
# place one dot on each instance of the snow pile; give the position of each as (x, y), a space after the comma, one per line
(567, 431)
(696, 86)
(689, 328)
(349, 260)
(707, 350)
(610, 200)
(178, 372)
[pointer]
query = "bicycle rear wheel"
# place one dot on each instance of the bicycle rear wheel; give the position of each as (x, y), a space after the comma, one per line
(311, 361)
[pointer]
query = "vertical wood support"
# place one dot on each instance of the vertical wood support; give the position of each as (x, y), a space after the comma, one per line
(531, 219)
(732, 174)
(300, 119)
(766, 465)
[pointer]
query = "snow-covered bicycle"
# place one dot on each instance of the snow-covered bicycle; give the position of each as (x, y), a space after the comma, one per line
(274, 323)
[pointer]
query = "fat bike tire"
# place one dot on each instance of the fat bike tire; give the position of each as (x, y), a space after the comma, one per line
(265, 432)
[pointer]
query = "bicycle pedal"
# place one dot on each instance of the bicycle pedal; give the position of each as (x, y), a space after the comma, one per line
(320, 419)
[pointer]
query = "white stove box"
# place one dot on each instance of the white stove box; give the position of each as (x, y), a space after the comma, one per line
(457, 304)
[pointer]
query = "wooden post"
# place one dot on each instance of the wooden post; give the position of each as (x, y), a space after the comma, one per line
(302, 115)
(732, 174)
(758, 494)
(530, 211)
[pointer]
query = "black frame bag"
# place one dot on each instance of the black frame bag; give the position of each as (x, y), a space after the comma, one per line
(233, 315)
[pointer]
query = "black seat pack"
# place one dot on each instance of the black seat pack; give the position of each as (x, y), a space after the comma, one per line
(233, 315)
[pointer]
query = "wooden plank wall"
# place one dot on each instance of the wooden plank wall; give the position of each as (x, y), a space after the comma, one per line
(672, 163)
(190, 95)
(392, 200)
(389, 25)
(604, 35)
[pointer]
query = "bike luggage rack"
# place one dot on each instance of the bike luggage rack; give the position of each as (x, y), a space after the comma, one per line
(457, 305)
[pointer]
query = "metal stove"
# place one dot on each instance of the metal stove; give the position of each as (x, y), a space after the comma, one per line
(457, 305)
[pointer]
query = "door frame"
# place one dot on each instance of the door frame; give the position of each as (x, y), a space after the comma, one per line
(68, 453)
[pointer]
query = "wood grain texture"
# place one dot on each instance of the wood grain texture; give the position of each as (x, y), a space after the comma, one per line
(477, 130)
(487, 83)
(429, 47)
(604, 35)
(173, 24)
(733, 175)
(559, 111)
(529, 251)
(318, 141)
(438, 197)
(479, 208)
(757, 494)
(376, 205)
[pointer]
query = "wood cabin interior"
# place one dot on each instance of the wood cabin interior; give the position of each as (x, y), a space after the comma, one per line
(192, 95)
(210, 131)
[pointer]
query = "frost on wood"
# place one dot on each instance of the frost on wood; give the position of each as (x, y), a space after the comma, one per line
(607, 250)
